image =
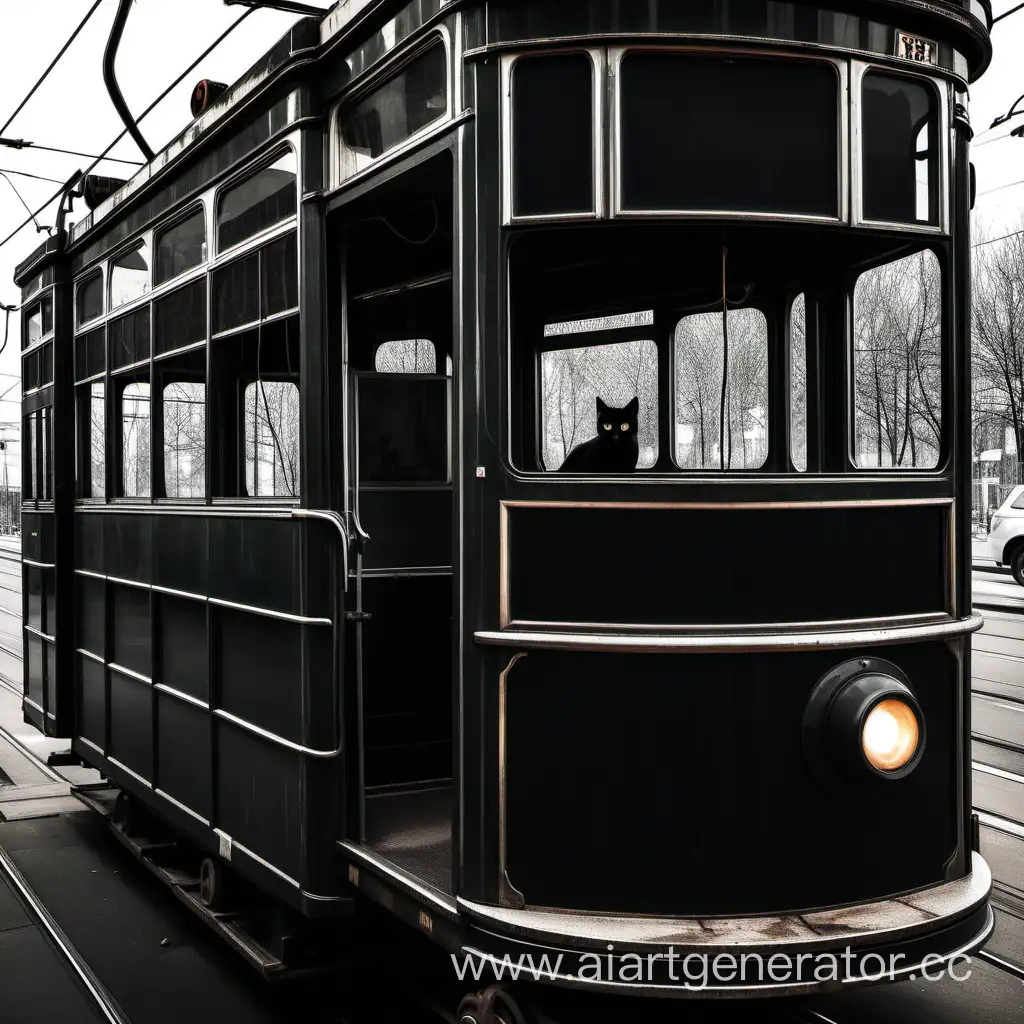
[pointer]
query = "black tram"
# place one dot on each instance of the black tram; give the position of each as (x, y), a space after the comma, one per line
(509, 462)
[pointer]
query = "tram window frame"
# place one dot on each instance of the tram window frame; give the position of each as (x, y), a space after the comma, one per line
(43, 307)
(252, 463)
(119, 385)
(348, 163)
(114, 264)
(798, 445)
(944, 369)
(239, 181)
(91, 471)
(617, 56)
(89, 281)
(160, 235)
(588, 334)
(938, 146)
(598, 70)
(769, 408)
(171, 373)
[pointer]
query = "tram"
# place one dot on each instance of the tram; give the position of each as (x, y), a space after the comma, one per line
(509, 463)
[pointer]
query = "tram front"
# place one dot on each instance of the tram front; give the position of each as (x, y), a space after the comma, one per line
(717, 472)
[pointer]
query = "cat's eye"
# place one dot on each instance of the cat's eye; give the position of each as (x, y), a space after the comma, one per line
(607, 426)
(625, 427)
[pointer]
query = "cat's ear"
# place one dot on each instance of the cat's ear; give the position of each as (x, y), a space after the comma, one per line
(634, 407)
(601, 407)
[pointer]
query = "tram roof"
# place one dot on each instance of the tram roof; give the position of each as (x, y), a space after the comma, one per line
(968, 21)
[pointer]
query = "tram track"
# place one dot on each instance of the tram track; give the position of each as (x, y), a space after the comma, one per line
(98, 998)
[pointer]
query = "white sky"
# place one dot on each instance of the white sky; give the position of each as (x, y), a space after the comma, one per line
(72, 110)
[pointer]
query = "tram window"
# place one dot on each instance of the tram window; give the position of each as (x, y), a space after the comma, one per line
(699, 351)
(259, 285)
(39, 322)
(46, 453)
(279, 276)
(129, 275)
(412, 100)
(184, 423)
(411, 356)
(180, 247)
(92, 440)
(264, 199)
(135, 439)
(46, 364)
(89, 299)
(900, 156)
(272, 439)
(553, 134)
(90, 354)
(716, 133)
(898, 364)
(179, 319)
(798, 383)
(32, 477)
(129, 338)
(30, 372)
(575, 380)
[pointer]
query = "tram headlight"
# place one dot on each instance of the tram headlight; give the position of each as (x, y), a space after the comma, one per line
(890, 736)
(864, 720)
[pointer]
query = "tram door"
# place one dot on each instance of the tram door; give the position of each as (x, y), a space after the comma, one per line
(399, 313)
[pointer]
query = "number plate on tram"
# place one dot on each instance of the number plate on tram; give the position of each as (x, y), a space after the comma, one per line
(916, 48)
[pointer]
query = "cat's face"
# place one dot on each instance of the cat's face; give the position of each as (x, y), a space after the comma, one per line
(617, 425)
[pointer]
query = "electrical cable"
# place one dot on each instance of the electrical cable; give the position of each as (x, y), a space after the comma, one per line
(238, 21)
(53, 63)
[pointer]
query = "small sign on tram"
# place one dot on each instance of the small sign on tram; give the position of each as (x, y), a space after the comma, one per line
(916, 48)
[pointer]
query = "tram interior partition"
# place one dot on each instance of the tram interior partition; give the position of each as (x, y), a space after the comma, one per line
(398, 283)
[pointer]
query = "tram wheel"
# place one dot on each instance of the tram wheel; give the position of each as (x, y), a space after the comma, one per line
(214, 884)
(1017, 565)
(492, 1006)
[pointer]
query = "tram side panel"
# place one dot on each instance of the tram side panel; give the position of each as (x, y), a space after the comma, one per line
(205, 647)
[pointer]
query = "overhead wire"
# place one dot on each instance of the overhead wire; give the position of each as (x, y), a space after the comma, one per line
(24, 144)
(238, 21)
(53, 63)
(25, 174)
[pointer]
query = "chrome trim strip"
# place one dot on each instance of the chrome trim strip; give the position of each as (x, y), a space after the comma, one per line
(89, 743)
(235, 845)
(181, 807)
(302, 620)
(129, 583)
(403, 879)
(124, 768)
(272, 737)
(39, 633)
(860, 925)
(178, 351)
(90, 656)
(508, 894)
(997, 772)
(337, 522)
(38, 565)
(121, 670)
(739, 643)
(98, 993)
(716, 629)
(171, 592)
(92, 575)
(32, 704)
(185, 698)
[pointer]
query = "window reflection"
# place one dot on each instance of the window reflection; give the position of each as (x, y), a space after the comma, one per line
(798, 383)
(412, 356)
(272, 439)
(129, 276)
(599, 407)
(184, 423)
(97, 434)
(89, 303)
(898, 364)
(410, 101)
(711, 434)
(266, 198)
(135, 439)
(180, 248)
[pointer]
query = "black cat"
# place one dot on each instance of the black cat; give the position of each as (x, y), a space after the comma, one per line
(616, 449)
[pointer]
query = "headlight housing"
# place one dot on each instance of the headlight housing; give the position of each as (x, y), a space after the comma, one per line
(864, 721)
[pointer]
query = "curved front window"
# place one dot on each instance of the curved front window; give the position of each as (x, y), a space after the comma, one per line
(624, 361)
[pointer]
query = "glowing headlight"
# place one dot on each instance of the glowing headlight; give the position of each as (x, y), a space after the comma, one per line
(864, 720)
(890, 735)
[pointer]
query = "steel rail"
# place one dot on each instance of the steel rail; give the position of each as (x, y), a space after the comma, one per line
(86, 978)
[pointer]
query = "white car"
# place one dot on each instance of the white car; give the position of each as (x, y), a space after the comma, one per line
(1006, 536)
